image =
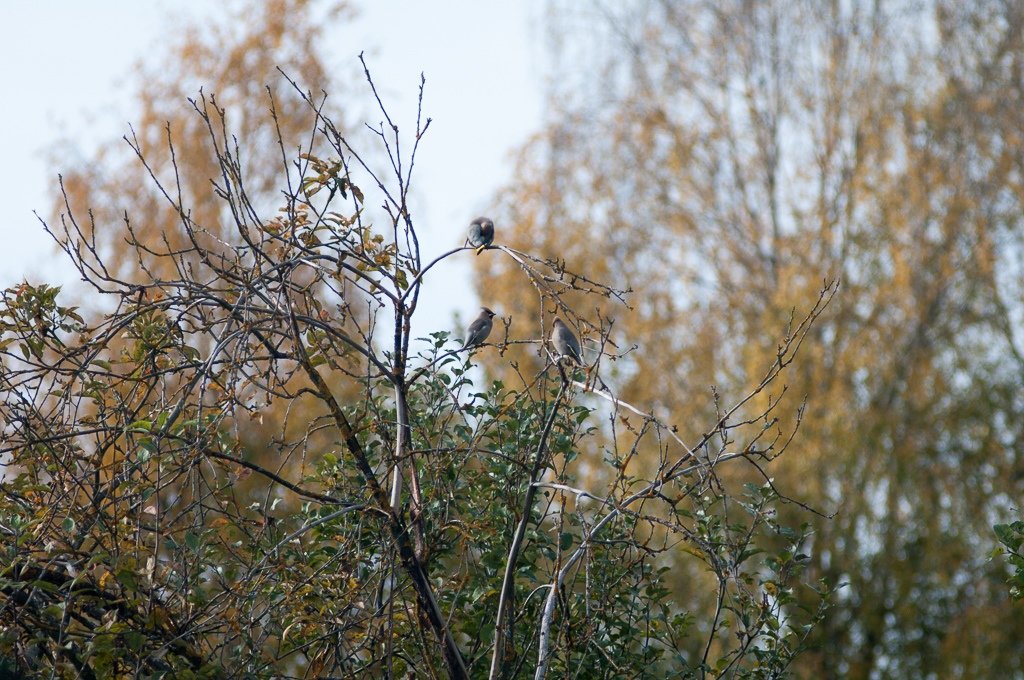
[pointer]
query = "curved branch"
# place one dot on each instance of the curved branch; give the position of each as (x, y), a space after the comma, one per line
(423, 271)
(295, 488)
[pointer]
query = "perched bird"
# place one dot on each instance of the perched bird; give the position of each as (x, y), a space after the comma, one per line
(481, 233)
(565, 342)
(479, 329)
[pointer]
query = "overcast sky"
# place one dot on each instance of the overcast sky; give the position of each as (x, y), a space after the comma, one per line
(66, 64)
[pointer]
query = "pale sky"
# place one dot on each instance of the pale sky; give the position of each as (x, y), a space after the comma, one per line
(66, 64)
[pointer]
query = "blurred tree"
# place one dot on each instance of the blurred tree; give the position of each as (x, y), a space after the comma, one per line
(236, 62)
(721, 159)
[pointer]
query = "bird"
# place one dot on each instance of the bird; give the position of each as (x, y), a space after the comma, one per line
(481, 233)
(565, 342)
(479, 329)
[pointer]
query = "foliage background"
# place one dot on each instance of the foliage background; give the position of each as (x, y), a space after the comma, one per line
(723, 159)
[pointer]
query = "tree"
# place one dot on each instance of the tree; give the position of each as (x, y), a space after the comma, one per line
(227, 67)
(237, 58)
(721, 159)
(132, 548)
(1011, 536)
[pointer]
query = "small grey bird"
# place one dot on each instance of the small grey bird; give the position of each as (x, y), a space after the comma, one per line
(479, 329)
(565, 342)
(481, 233)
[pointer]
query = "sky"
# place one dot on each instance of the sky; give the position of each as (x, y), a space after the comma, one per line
(67, 64)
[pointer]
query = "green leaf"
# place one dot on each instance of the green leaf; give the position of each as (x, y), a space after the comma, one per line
(1010, 535)
(126, 577)
(134, 639)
